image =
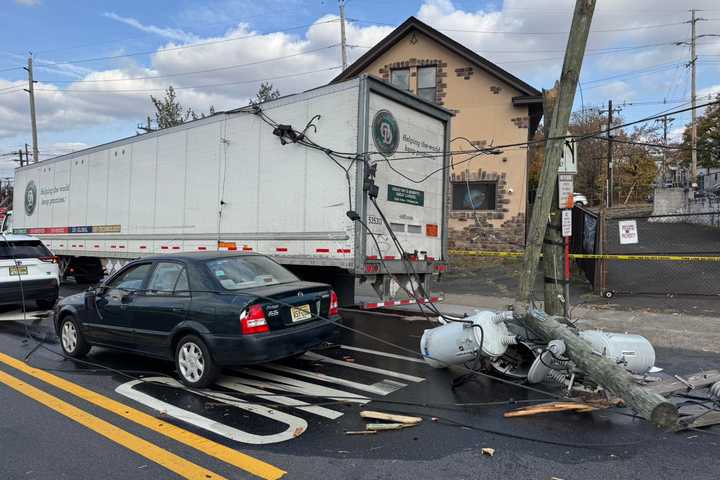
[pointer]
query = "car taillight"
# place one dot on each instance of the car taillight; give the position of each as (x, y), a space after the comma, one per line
(252, 320)
(333, 303)
(48, 259)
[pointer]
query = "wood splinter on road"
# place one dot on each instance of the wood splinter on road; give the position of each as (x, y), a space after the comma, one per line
(390, 417)
(388, 426)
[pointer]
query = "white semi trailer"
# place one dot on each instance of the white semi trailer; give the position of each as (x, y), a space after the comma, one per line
(240, 180)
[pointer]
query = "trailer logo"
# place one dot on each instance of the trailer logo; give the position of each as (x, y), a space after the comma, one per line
(30, 197)
(386, 134)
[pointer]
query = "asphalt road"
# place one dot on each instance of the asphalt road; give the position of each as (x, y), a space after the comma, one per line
(39, 442)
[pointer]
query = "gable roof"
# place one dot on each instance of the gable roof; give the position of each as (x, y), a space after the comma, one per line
(413, 23)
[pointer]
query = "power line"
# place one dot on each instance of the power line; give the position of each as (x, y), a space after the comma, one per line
(191, 45)
(146, 90)
(208, 70)
(515, 32)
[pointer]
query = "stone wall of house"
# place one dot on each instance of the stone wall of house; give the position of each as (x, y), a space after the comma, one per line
(493, 230)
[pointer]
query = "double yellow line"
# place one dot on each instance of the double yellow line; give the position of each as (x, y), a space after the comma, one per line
(179, 465)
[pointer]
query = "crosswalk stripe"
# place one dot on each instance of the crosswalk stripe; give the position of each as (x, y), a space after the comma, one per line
(360, 366)
(380, 388)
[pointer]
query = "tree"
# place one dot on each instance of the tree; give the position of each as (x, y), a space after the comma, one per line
(265, 93)
(708, 138)
(635, 165)
(170, 113)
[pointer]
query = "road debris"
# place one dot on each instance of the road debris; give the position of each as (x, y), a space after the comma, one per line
(360, 432)
(488, 451)
(552, 407)
(387, 426)
(390, 417)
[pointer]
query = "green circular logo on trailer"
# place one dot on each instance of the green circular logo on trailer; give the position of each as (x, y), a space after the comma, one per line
(30, 197)
(386, 133)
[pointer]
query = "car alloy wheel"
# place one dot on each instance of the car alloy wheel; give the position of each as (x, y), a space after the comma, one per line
(191, 362)
(69, 337)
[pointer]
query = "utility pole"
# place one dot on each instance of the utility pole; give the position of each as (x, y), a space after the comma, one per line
(20, 155)
(693, 66)
(665, 120)
(604, 371)
(552, 249)
(343, 40)
(555, 143)
(609, 156)
(610, 173)
(31, 92)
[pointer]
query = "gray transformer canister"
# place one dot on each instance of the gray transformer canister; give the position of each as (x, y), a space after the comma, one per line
(634, 352)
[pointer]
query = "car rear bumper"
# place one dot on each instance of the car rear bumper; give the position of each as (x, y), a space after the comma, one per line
(10, 292)
(240, 350)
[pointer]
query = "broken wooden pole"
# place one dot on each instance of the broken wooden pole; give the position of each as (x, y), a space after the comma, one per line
(559, 120)
(553, 253)
(648, 404)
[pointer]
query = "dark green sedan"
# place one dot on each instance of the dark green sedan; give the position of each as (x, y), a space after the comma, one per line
(203, 310)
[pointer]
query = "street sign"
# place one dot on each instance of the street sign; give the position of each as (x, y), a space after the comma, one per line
(567, 223)
(565, 189)
(568, 161)
(628, 232)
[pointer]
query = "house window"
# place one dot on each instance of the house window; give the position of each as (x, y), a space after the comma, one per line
(427, 83)
(474, 195)
(400, 77)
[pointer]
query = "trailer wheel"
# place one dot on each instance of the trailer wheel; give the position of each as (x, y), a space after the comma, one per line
(609, 294)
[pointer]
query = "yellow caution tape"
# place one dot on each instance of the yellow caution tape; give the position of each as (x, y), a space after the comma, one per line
(591, 256)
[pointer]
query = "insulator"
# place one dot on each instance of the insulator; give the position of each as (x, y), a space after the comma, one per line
(562, 364)
(715, 391)
(557, 376)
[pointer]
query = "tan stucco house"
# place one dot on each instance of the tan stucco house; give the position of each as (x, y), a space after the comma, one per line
(488, 194)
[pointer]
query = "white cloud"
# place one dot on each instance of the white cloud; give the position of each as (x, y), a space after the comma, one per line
(28, 3)
(170, 33)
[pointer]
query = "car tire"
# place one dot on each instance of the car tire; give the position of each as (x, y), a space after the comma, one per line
(71, 340)
(193, 362)
(46, 303)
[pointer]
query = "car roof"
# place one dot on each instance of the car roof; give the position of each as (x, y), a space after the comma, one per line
(201, 256)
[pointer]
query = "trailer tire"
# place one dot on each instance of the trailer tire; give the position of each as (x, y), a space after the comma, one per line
(46, 303)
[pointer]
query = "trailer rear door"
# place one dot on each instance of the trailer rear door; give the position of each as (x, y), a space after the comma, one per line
(408, 147)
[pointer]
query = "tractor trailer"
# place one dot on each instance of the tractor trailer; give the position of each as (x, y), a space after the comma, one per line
(293, 178)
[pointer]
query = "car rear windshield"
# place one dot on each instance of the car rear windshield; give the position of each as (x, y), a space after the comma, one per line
(22, 249)
(237, 273)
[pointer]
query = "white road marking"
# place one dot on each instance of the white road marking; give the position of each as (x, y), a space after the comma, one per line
(384, 354)
(359, 366)
(384, 387)
(261, 383)
(295, 425)
(298, 386)
(234, 383)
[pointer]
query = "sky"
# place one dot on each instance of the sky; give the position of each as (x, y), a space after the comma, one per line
(98, 62)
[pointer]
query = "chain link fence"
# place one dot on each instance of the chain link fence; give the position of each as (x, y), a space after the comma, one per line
(672, 254)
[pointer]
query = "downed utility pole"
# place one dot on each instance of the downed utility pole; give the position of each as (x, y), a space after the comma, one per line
(602, 370)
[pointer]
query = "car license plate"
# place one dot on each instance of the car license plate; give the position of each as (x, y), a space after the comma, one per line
(18, 271)
(300, 313)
